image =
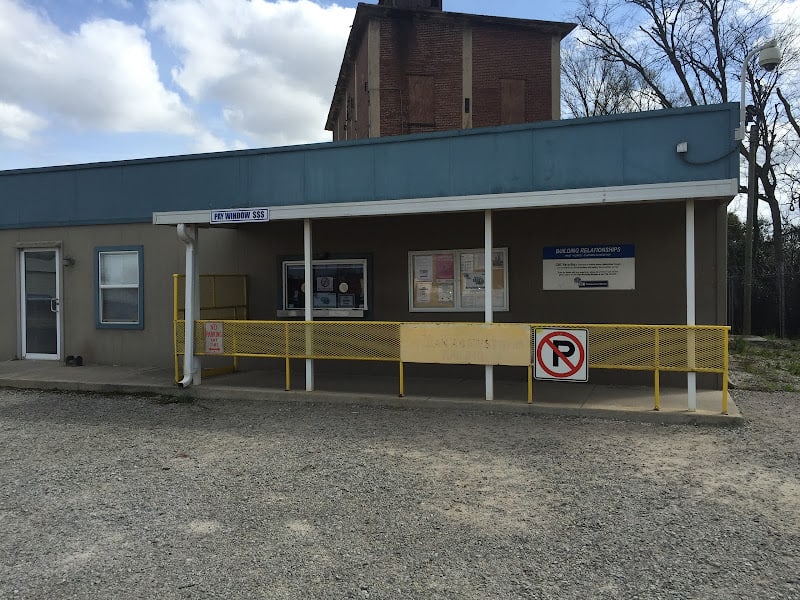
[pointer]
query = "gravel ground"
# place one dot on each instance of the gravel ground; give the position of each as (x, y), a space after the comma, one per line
(127, 497)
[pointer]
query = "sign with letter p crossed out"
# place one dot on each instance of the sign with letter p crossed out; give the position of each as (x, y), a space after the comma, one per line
(561, 354)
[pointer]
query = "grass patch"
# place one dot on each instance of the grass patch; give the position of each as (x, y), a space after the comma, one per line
(737, 345)
(771, 365)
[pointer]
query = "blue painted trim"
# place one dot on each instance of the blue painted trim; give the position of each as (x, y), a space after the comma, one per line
(76, 222)
(140, 254)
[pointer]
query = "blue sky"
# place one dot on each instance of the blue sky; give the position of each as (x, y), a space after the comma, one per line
(96, 80)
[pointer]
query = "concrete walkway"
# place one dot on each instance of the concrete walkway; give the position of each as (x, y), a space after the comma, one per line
(628, 403)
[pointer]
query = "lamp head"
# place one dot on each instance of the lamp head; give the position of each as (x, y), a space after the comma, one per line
(769, 57)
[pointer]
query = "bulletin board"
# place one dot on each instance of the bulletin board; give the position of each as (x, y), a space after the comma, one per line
(455, 280)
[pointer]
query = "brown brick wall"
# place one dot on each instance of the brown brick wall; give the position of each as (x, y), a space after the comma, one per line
(360, 126)
(416, 43)
(357, 126)
(514, 54)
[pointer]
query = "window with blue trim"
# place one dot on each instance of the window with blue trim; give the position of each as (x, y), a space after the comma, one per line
(118, 283)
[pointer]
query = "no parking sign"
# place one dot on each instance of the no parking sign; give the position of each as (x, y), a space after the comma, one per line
(561, 354)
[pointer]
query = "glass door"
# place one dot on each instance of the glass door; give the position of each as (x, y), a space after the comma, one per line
(40, 303)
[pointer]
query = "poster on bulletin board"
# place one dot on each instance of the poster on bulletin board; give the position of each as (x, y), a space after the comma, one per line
(455, 280)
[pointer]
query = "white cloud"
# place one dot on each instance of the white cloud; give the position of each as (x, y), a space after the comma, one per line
(270, 66)
(102, 76)
(258, 72)
(18, 124)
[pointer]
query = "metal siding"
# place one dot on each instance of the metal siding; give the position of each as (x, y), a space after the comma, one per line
(205, 183)
(341, 175)
(99, 190)
(618, 150)
(180, 185)
(275, 179)
(577, 157)
(38, 199)
(413, 168)
(492, 164)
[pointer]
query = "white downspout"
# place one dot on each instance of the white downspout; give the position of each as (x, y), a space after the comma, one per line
(191, 364)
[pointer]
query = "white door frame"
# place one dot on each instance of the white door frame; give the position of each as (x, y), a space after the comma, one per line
(55, 303)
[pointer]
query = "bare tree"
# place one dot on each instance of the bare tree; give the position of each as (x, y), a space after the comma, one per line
(594, 86)
(689, 52)
(791, 173)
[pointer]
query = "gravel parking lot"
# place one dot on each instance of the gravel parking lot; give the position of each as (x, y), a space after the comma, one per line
(129, 497)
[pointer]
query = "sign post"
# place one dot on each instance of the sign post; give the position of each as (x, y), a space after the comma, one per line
(561, 354)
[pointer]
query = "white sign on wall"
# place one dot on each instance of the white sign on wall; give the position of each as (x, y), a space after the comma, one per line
(598, 267)
(561, 354)
(239, 215)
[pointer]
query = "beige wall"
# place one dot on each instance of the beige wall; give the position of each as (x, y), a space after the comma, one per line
(163, 256)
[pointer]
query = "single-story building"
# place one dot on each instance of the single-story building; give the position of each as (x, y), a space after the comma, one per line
(617, 219)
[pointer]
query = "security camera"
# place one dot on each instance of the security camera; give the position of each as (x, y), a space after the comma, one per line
(769, 57)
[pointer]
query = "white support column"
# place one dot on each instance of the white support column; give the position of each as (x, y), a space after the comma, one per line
(198, 369)
(487, 279)
(691, 318)
(309, 299)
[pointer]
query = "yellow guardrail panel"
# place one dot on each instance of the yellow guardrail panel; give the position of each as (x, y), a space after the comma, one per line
(466, 343)
(368, 340)
(222, 296)
(372, 340)
(700, 348)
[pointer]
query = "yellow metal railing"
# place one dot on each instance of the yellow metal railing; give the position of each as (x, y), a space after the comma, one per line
(221, 297)
(656, 348)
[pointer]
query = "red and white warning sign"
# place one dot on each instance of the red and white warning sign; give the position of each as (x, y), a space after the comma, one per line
(214, 337)
(561, 354)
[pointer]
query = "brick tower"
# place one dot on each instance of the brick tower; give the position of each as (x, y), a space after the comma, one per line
(410, 67)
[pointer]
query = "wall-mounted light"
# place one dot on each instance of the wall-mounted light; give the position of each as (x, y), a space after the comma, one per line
(68, 261)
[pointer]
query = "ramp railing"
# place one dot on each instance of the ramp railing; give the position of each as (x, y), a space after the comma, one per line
(633, 347)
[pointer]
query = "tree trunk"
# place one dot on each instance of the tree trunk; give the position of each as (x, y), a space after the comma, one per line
(780, 268)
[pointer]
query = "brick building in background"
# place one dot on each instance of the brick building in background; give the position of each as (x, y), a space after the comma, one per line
(410, 67)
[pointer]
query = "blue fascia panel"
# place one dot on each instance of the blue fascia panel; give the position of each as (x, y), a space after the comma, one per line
(577, 157)
(345, 175)
(413, 168)
(275, 179)
(492, 164)
(619, 150)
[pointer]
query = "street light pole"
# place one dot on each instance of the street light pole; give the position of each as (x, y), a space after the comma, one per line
(769, 56)
(752, 185)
